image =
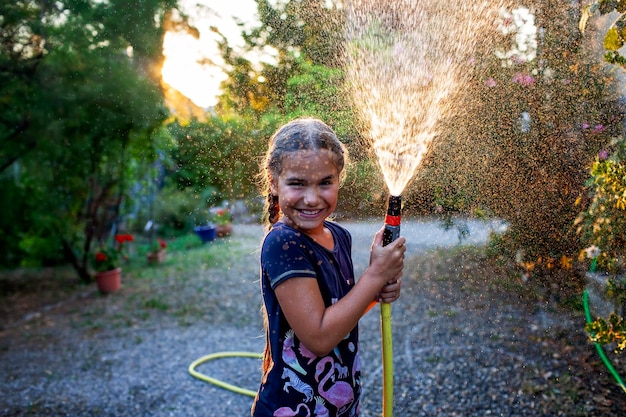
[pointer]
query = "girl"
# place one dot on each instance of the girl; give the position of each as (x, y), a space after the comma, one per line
(312, 303)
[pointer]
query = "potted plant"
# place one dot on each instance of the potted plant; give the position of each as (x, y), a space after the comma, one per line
(106, 264)
(157, 254)
(222, 218)
(206, 233)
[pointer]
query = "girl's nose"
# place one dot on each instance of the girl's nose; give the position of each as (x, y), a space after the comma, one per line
(311, 196)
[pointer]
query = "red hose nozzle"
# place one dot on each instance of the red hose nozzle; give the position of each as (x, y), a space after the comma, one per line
(392, 219)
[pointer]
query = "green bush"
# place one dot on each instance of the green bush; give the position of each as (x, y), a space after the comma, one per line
(179, 211)
(523, 139)
(603, 223)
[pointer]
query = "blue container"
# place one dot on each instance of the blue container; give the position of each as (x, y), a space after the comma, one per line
(206, 233)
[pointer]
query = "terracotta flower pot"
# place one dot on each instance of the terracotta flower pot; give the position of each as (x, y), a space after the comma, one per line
(224, 229)
(156, 257)
(109, 281)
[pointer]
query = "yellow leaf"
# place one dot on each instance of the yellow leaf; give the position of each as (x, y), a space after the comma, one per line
(612, 40)
(566, 263)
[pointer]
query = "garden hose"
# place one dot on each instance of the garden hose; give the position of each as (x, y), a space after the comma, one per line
(218, 382)
(220, 355)
(391, 233)
(599, 348)
(385, 327)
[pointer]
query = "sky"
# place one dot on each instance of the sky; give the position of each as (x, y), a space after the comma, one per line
(181, 69)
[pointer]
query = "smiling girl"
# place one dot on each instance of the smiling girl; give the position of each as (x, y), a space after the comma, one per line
(312, 303)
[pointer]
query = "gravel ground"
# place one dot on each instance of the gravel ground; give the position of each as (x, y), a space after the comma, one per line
(465, 344)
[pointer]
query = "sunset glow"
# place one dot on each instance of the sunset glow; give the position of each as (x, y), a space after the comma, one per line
(183, 70)
(194, 66)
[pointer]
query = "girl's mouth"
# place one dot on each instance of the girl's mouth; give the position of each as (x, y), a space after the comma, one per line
(310, 213)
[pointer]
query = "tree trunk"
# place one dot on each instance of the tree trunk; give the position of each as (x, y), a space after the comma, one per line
(79, 267)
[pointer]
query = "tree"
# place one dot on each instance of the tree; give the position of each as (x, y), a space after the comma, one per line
(615, 36)
(217, 159)
(85, 90)
(307, 79)
(293, 29)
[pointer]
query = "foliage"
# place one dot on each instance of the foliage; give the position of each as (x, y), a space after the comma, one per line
(448, 208)
(179, 211)
(616, 290)
(522, 138)
(213, 161)
(80, 101)
(615, 36)
(603, 222)
(608, 331)
(292, 29)
(160, 244)
(318, 91)
(216, 159)
(107, 258)
(363, 191)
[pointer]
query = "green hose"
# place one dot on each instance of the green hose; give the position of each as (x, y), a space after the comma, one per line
(220, 383)
(599, 348)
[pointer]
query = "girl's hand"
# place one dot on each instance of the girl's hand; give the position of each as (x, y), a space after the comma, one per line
(390, 292)
(387, 262)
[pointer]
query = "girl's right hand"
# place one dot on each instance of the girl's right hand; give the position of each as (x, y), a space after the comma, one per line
(387, 261)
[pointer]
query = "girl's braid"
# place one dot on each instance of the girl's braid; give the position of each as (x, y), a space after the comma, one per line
(273, 209)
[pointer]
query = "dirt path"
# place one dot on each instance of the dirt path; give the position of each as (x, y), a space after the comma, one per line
(466, 342)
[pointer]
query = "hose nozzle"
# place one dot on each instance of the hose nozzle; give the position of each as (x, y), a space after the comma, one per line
(392, 219)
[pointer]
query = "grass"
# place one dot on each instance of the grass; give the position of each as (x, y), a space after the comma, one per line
(176, 289)
(181, 287)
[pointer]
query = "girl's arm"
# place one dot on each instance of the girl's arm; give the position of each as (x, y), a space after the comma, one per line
(321, 328)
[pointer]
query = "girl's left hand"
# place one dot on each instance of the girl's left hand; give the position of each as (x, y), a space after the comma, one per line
(390, 292)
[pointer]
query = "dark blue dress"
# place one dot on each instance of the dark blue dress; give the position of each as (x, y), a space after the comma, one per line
(299, 383)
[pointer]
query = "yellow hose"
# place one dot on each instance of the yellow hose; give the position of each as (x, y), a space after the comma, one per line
(391, 233)
(218, 382)
(385, 323)
(385, 320)
(387, 345)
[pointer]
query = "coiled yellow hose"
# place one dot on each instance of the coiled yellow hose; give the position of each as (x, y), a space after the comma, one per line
(218, 382)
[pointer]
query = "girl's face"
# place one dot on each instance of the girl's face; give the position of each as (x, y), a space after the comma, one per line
(307, 189)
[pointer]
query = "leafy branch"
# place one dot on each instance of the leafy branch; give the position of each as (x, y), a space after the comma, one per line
(615, 36)
(605, 332)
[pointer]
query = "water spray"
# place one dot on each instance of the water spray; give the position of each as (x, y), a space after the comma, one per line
(391, 233)
(405, 60)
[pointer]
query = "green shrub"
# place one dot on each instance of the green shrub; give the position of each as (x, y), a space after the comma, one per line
(180, 210)
(603, 222)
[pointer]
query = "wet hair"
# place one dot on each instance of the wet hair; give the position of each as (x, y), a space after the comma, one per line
(298, 135)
